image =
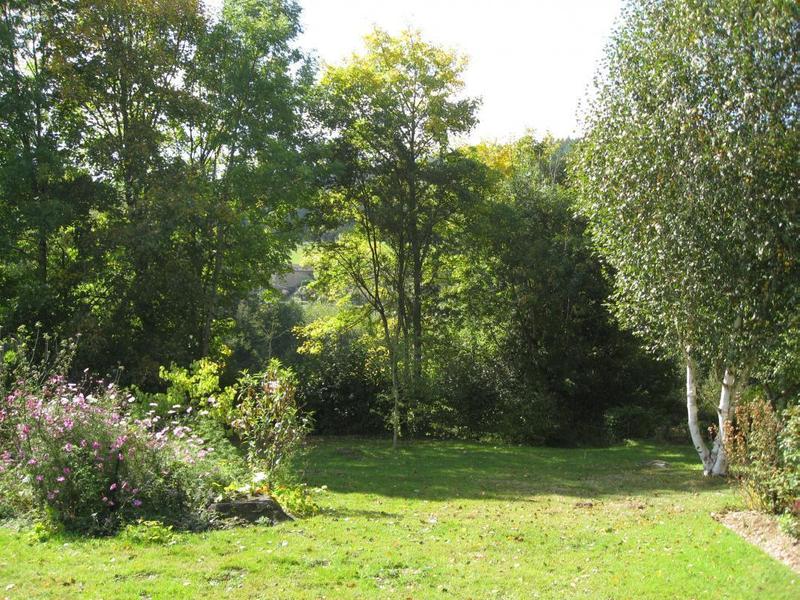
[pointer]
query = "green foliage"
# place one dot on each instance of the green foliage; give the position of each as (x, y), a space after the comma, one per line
(139, 207)
(267, 419)
(44, 530)
(399, 187)
(297, 500)
(764, 449)
(198, 387)
(790, 524)
(16, 496)
(525, 346)
(688, 176)
(265, 329)
(629, 422)
(148, 533)
(342, 377)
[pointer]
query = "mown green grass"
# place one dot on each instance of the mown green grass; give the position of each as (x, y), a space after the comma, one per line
(442, 520)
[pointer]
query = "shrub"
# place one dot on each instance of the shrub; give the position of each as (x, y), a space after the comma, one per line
(268, 420)
(196, 389)
(149, 533)
(790, 524)
(628, 422)
(91, 466)
(764, 453)
(15, 494)
(341, 382)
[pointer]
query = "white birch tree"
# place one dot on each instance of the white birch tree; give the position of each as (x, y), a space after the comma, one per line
(689, 175)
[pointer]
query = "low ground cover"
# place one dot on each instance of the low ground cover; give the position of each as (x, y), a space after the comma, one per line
(438, 519)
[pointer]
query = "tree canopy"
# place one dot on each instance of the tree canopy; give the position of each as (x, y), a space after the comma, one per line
(689, 177)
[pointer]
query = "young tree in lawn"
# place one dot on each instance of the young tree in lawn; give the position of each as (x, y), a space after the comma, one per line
(690, 179)
(393, 112)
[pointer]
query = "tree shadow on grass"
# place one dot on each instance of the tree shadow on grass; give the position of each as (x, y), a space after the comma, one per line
(450, 470)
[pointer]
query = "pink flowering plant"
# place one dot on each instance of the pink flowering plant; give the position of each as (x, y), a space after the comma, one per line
(90, 464)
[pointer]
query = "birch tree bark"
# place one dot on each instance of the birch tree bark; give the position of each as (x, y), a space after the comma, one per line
(694, 427)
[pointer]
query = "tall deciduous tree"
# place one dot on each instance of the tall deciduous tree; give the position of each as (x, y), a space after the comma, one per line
(44, 197)
(242, 137)
(690, 177)
(394, 112)
(195, 126)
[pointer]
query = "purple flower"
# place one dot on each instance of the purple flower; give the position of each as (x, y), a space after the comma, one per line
(137, 503)
(95, 445)
(68, 447)
(67, 470)
(40, 478)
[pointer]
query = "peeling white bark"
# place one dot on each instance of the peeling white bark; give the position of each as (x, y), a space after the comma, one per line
(694, 427)
(720, 466)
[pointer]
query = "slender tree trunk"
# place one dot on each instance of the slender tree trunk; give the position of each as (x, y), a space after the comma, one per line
(211, 297)
(42, 254)
(720, 466)
(694, 427)
(393, 359)
(416, 319)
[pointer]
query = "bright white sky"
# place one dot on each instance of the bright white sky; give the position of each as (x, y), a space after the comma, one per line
(530, 60)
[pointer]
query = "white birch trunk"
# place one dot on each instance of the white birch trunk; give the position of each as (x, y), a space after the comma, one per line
(720, 466)
(694, 427)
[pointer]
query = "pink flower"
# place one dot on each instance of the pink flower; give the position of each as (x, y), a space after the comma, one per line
(137, 503)
(95, 445)
(60, 479)
(68, 447)
(69, 424)
(84, 443)
(112, 487)
(40, 478)
(67, 470)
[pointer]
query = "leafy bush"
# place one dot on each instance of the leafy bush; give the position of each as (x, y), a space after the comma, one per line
(628, 422)
(764, 453)
(296, 500)
(91, 466)
(790, 524)
(149, 533)
(341, 382)
(268, 420)
(196, 388)
(15, 494)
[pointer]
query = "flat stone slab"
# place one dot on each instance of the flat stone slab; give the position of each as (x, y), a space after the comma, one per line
(251, 510)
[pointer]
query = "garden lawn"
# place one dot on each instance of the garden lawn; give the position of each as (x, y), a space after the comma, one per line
(437, 520)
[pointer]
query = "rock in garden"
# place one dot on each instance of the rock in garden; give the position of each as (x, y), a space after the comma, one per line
(251, 510)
